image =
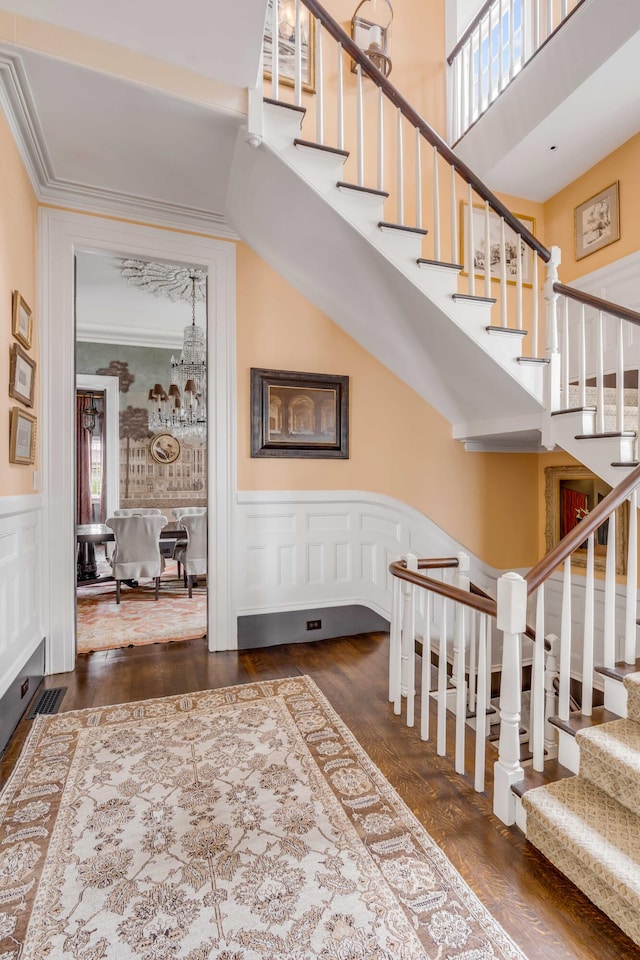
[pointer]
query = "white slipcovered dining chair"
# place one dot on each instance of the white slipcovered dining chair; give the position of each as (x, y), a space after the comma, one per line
(192, 554)
(137, 552)
(178, 513)
(137, 511)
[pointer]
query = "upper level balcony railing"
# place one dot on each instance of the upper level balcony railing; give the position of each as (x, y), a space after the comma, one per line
(504, 35)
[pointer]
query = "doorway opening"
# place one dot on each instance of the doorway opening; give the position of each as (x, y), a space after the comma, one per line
(141, 451)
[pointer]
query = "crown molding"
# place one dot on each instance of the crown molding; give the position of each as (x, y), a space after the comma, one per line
(129, 336)
(22, 116)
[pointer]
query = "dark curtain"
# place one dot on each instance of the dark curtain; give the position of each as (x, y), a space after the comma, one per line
(572, 502)
(99, 431)
(84, 510)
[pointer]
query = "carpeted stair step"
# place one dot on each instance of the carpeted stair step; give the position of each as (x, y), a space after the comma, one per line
(632, 686)
(610, 396)
(594, 841)
(610, 759)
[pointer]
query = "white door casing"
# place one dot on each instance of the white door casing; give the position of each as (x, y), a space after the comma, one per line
(61, 234)
(110, 386)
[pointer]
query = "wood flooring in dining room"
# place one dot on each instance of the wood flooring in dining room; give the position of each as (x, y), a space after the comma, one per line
(546, 915)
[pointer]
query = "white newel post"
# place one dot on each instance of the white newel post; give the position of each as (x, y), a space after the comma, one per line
(512, 621)
(552, 399)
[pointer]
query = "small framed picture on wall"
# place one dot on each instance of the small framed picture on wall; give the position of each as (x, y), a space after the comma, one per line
(22, 325)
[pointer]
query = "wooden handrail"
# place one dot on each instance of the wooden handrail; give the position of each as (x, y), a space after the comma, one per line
(414, 118)
(483, 604)
(581, 531)
(615, 309)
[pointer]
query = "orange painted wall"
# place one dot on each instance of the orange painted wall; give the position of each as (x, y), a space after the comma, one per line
(18, 235)
(400, 446)
(622, 165)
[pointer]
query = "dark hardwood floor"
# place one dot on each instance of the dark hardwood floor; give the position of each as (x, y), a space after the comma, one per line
(545, 914)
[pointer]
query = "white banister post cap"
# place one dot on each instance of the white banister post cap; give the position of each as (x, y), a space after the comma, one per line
(464, 562)
(512, 603)
(412, 561)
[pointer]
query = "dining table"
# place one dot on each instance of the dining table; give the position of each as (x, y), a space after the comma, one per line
(89, 534)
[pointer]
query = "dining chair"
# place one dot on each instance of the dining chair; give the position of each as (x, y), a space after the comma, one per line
(137, 552)
(192, 556)
(178, 513)
(137, 511)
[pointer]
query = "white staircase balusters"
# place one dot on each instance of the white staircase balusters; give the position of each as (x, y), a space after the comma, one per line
(319, 85)
(566, 353)
(454, 217)
(436, 205)
(535, 299)
(297, 84)
(537, 716)
(582, 357)
(588, 631)
(409, 640)
(340, 98)
(463, 582)
(275, 50)
(399, 168)
(551, 696)
(471, 243)
(380, 139)
(359, 127)
(600, 372)
(482, 699)
(609, 621)
(631, 612)
(519, 323)
(441, 744)
(487, 250)
(619, 376)
(425, 682)
(504, 320)
(418, 178)
(395, 647)
(565, 644)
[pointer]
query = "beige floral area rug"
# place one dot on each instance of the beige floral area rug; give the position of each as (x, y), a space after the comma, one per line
(233, 824)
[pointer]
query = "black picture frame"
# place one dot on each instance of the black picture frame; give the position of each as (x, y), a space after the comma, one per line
(302, 415)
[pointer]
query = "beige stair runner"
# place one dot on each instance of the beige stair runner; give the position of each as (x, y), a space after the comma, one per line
(588, 826)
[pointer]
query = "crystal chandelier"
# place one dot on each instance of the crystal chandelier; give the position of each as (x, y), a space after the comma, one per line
(182, 410)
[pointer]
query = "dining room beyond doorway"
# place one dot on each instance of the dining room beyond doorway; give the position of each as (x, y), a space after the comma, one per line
(141, 470)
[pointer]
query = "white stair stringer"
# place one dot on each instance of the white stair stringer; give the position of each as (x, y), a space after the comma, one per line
(597, 453)
(284, 202)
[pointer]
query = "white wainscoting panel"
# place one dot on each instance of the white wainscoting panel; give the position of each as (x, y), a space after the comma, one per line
(21, 614)
(299, 549)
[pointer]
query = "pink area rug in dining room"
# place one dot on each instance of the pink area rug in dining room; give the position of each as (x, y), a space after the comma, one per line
(139, 619)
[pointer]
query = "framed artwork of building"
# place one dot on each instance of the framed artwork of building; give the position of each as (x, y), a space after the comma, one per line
(299, 414)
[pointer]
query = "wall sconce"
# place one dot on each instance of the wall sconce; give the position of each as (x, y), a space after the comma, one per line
(370, 28)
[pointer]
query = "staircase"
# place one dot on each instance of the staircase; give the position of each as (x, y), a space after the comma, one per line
(381, 247)
(588, 826)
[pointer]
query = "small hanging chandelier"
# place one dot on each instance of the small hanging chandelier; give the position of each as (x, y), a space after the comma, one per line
(182, 410)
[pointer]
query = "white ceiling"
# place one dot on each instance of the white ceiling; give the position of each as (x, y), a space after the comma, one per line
(218, 38)
(109, 309)
(124, 138)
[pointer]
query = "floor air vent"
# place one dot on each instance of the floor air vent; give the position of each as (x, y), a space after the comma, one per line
(48, 702)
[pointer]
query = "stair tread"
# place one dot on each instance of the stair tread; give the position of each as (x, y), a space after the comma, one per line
(533, 360)
(605, 436)
(578, 721)
(625, 463)
(538, 778)
(565, 410)
(298, 142)
(472, 298)
(620, 670)
(618, 741)
(386, 225)
(515, 333)
(357, 188)
(595, 828)
(422, 261)
(286, 104)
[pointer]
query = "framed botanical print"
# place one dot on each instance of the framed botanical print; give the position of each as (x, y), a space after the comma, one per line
(495, 245)
(597, 221)
(22, 376)
(22, 436)
(22, 320)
